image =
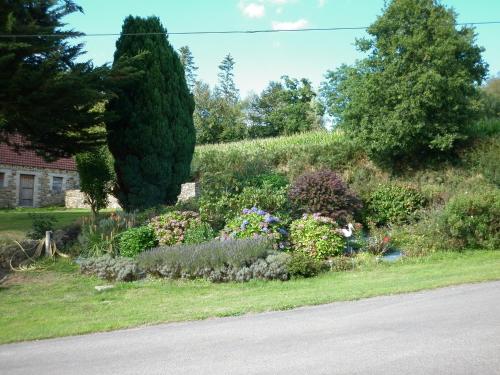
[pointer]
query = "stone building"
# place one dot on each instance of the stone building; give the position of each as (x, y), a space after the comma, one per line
(27, 180)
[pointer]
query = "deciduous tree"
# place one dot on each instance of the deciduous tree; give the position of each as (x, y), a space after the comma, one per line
(416, 92)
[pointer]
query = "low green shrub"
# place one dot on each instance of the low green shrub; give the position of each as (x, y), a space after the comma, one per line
(256, 222)
(316, 236)
(472, 219)
(41, 223)
(213, 254)
(302, 265)
(273, 180)
(484, 158)
(421, 238)
(198, 233)
(170, 228)
(393, 204)
(230, 260)
(111, 269)
(135, 240)
(324, 192)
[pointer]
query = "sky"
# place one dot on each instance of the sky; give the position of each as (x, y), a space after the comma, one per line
(261, 58)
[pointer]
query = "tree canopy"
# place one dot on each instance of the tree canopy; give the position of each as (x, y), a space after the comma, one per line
(45, 95)
(416, 92)
(285, 108)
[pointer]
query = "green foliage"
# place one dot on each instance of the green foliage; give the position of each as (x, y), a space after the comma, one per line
(325, 193)
(317, 236)
(490, 98)
(484, 158)
(377, 243)
(41, 223)
(302, 265)
(231, 260)
(220, 209)
(472, 219)
(111, 269)
(135, 240)
(256, 222)
(98, 238)
(198, 233)
(95, 169)
(228, 168)
(152, 135)
(285, 108)
(187, 61)
(393, 204)
(170, 228)
(416, 93)
(58, 93)
(218, 115)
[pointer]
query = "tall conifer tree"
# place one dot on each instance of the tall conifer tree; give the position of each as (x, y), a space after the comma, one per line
(152, 137)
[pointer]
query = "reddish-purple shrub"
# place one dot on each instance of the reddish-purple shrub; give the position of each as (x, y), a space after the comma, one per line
(324, 192)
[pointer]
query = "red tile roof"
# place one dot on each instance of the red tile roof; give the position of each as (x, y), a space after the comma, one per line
(28, 158)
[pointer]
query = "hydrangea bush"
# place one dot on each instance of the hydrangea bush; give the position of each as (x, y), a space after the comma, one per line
(254, 222)
(317, 236)
(171, 227)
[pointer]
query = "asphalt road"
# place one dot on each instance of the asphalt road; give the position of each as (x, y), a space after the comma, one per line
(453, 330)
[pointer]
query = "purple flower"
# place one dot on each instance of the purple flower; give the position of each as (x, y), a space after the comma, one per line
(271, 219)
(246, 211)
(261, 212)
(254, 209)
(265, 229)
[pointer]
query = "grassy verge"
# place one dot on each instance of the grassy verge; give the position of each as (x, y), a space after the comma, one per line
(56, 301)
(14, 223)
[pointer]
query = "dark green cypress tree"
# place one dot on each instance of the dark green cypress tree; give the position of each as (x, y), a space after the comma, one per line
(152, 136)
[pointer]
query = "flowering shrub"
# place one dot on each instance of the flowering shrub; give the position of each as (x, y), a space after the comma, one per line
(317, 236)
(218, 261)
(255, 222)
(217, 210)
(170, 228)
(324, 192)
(393, 204)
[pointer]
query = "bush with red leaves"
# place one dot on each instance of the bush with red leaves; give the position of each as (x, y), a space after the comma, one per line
(325, 193)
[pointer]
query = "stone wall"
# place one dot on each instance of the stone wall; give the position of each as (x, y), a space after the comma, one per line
(76, 199)
(43, 194)
(189, 190)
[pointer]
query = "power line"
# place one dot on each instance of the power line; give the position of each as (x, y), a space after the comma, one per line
(258, 31)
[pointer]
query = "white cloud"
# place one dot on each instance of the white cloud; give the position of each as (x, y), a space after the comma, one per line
(253, 10)
(279, 10)
(321, 3)
(281, 2)
(296, 25)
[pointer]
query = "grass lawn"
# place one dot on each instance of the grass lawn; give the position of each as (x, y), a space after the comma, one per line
(54, 300)
(14, 223)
